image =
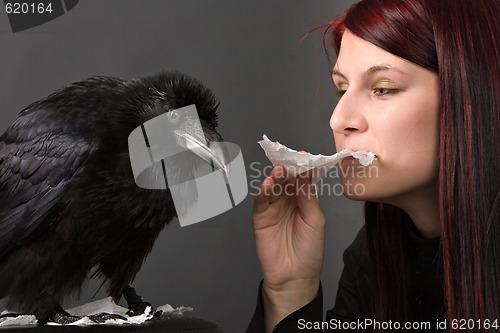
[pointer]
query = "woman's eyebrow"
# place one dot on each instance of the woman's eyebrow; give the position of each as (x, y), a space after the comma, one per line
(337, 73)
(370, 71)
(382, 67)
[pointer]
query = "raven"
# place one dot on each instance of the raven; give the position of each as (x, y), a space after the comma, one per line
(68, 199)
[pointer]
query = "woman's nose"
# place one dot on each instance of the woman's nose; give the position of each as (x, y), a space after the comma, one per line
(348, 117)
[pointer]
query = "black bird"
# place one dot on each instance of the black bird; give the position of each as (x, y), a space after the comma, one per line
(68, 199)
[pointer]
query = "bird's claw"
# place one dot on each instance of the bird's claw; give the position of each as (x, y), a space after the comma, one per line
(100, 318)
(138, 308)
(156, 315)
(64, 318)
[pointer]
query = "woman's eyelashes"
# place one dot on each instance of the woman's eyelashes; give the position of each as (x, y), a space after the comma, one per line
(339, 93)
(380, 92)
(385, 91)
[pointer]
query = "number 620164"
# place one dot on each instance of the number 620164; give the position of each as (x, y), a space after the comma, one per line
(27, 8)
(463, 324)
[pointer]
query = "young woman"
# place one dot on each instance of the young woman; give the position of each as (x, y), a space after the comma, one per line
(419, 82)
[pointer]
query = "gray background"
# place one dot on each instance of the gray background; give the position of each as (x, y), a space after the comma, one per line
(268, 81)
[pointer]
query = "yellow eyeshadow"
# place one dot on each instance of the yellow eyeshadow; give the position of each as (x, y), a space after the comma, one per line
(385, 83)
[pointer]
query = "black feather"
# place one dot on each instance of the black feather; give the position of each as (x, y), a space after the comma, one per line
(68, 200)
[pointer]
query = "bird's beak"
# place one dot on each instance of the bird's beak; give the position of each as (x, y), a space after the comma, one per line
(214, 154)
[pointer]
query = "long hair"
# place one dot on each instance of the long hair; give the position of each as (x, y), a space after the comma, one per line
(458, 40)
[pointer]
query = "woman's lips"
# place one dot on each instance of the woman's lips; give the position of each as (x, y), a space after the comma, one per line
(349, 160)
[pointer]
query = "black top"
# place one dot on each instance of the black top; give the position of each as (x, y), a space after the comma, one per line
(353, 299)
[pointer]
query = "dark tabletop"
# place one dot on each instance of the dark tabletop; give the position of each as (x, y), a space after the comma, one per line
(165, 323)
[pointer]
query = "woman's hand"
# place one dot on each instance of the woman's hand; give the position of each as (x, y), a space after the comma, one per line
(289, 228)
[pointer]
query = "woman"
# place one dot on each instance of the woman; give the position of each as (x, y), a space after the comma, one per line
(419, 82)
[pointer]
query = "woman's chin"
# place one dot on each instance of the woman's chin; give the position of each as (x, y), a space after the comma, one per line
(362, 189)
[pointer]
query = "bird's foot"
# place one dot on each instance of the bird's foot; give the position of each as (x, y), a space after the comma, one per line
(138, 308)
(100, 318)
(136, 305)
(156, 315)
(64, 318)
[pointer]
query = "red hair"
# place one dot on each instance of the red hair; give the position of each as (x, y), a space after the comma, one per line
(459, 40)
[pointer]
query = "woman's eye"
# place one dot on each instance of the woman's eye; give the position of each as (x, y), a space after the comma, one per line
(339, 93)
(385, 91)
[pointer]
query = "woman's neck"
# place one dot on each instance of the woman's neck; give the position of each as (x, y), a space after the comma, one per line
(423, 209)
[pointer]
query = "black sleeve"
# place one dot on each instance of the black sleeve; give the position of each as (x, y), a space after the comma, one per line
(351, 303)
(311, 312)
(353, 298)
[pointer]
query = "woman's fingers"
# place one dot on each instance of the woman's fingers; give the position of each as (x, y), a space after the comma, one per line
(278, 185)
(307, 200)
(270, 189)
(306, 194)
(279, 174)
(261, 200)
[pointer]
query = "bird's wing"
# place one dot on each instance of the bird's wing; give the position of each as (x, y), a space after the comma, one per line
(37, 162)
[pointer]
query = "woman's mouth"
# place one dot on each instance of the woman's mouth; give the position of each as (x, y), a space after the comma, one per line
(358, 160)
(349, 160)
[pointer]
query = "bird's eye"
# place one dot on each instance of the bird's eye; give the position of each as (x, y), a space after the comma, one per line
(173, 116)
